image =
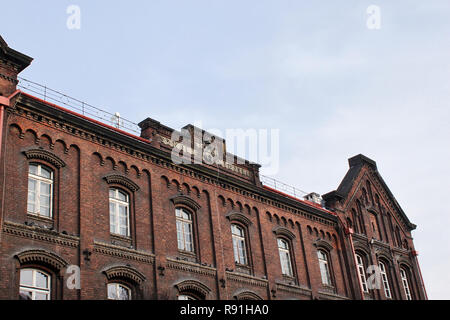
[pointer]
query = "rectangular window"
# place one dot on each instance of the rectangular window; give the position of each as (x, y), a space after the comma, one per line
(40, 191)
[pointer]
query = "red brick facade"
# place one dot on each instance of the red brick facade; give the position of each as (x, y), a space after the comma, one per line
(88, 158)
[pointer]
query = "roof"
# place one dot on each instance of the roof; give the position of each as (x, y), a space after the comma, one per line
(21, 60)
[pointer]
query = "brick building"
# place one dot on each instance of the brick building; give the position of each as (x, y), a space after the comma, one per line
(79, 192)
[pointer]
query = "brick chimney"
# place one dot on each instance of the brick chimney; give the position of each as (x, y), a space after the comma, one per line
(12, 63)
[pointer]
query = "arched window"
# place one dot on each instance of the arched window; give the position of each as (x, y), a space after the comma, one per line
(362, 273)
(185, 229)
(356, 222)
(40, 190)
(34, 285)
(119, 212)
(285, 257)
(405, 282)
(385, 280)
(118, 291)
(398, 236)
(186, 297)
(239, 245)
(324, 267)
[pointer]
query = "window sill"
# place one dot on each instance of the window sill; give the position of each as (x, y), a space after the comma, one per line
(188, 256)
(244, 269)
(47, 221)
(289, 280)
(122, 241)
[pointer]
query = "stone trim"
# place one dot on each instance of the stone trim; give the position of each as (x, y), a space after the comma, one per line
(46, 156)
(281, 231)
(237, 216)
(124, 181)
(332, 296)
(124, 272)
(297, 290)
(185, 200)
(247, 279)
(39, 234)
(123, 253)
(323, 244)
(190, 267)
(247, 295)
(41, 256)
(193, 286)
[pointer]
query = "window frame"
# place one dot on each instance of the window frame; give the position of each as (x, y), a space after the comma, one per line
(118, 285)
(404, 276)
(33, 289)
(327, 263)
(244, 239)
(38, 180)
(287, 251)
(117, 202)
(385, 279)
(191, 223)
(361, 269)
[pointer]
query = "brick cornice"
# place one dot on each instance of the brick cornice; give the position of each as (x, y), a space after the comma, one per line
(40, 234)
(124, 253)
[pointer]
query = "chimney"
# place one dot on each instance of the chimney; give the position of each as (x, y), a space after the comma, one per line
(12, 63)
(314, 198)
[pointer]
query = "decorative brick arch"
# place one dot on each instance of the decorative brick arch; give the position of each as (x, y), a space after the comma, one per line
(124, 272)
(182, 199)
(247, 295)
(49, 157)
(193, 286)
(237, 216)
(323, 244)
(121, 180)
(42, 257)
(281, 231)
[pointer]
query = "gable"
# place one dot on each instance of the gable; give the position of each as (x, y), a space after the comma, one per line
(364, 177)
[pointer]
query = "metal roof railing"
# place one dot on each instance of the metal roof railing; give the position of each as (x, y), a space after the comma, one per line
(78, 106)
(283, 187)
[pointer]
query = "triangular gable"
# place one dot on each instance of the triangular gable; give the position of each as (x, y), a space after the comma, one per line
(354, 176)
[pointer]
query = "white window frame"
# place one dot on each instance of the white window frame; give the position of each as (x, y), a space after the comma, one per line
(182, 236)
(186, 297)
(385, 280)
(405, 282)
(117, 287)
(362, 273)
(33, 289)
(38, 180)
(285, 258)
(116, 213)
(239, 245)
(324, 267)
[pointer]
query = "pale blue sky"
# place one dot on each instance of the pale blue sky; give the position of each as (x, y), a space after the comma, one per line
(314, 70)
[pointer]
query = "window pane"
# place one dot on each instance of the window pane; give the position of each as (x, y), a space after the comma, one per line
(46, 188)
(26, 278)
(33, 169)
(25, 295)
(41, 280)
(122, 196)
(112, 294)
(124, 294)
(45, 173)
